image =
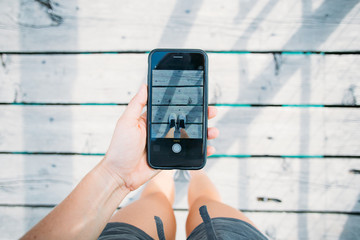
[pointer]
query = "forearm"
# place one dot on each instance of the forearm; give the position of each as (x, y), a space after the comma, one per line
(85, 212)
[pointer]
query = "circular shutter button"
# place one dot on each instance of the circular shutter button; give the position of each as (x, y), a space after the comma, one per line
(176, 148)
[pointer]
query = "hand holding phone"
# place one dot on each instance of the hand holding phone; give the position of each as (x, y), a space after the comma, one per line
(126, 156)
(177, 109)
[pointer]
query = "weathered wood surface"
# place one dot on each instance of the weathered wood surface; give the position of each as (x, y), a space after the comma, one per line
(243, 130)
(300, 184)
(294, 131)
(177, 78)
(67, 25)
(233, 78)
(15, 221)
(160, 114)
(177, 95)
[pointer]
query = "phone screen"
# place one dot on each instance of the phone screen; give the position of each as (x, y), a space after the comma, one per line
(177, 107)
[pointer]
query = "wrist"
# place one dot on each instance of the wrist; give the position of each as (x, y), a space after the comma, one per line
(111, 178)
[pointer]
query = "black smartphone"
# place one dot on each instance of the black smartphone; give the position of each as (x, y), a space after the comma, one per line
(177, 109)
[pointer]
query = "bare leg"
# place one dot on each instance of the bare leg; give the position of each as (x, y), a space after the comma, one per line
(156, 199)
(203, 192)
(170, 133)
(183, 133)
(172, 125)
(181, 125)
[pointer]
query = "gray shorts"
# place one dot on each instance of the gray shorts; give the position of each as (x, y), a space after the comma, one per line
(210, 229)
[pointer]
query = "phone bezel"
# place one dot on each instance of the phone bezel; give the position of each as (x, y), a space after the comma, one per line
(205, 107)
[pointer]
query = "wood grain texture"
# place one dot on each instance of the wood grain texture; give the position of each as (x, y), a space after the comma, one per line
(177, 95)
(243, 130)
(323, 185)
(177, 78)
(287, 131)
(160, 114)
(233, 78)
(300, 184)
(209, 24)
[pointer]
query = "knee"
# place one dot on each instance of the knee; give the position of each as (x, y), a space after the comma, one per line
(162, 208)
(159, 203)
(200, 201)
(157, 198)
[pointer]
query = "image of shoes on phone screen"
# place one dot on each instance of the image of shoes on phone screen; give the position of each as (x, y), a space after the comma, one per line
(177, 109)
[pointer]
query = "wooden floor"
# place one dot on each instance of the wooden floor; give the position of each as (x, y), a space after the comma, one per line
(284, 74)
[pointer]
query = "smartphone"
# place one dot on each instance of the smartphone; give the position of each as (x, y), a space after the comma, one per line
(177, 109)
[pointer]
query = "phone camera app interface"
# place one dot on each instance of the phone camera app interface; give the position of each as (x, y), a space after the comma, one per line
(177, 96)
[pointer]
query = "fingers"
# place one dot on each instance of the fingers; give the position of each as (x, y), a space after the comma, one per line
(212, 111)
(144, 115)
(212, 133)
(210, 150)
(136, 105)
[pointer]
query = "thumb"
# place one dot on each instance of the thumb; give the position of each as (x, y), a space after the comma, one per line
(136, 105)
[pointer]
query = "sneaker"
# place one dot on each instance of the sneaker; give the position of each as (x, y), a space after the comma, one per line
(172, 119)
(181, 121)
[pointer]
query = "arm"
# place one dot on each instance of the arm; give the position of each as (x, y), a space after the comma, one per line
(85, 212)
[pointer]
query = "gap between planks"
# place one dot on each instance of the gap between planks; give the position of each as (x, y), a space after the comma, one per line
(301, 52)
(356, 213)
(212, 156)
(211, 104)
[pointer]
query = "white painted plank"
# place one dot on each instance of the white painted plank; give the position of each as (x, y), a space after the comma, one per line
(177, 95)
(177, 78)
(209, 24)
(301, 184)
(243, 130)
(287, 131)
(233, 78)
(160, 114)
(71, 78)
(15, 221)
